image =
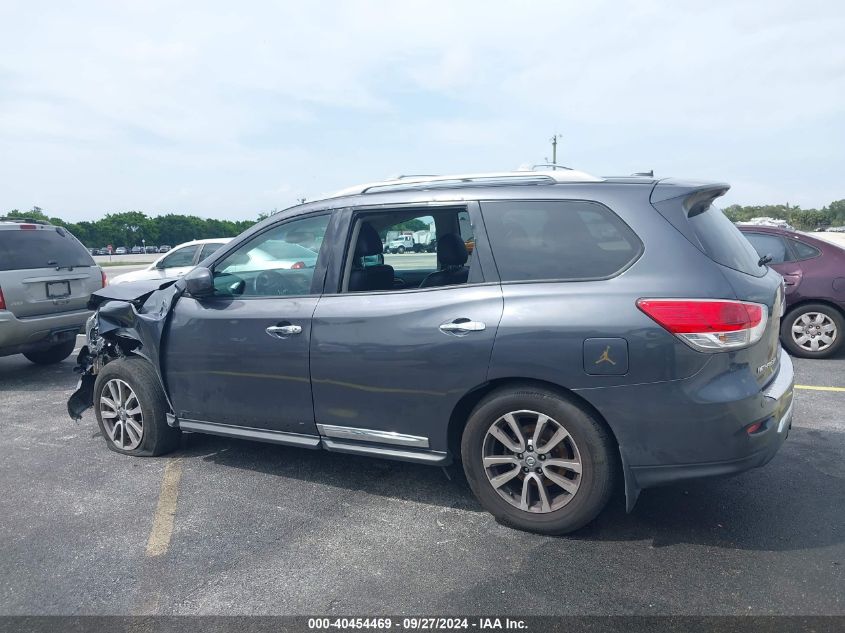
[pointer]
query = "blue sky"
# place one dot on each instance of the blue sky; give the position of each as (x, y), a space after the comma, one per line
(226, 109)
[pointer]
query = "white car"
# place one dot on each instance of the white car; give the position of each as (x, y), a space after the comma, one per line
(178, 261)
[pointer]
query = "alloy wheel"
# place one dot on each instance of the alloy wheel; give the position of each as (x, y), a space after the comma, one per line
(814, 331)
(532, 461)
(120, 411)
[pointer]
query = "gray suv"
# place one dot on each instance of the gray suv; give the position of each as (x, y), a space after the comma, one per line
(46, 279)
(571, 334)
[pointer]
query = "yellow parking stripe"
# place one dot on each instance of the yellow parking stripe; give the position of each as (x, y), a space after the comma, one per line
(815, 388)
(165, 513)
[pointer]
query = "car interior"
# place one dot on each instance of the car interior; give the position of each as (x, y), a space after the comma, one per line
(450, 264)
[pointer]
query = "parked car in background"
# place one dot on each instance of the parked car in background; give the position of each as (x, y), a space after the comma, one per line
(163, 248)
(401, 244)
(137, 250)
(46, 279)
(151, 249)
(176, 262)
(604, 333)
(814, 273)
(120, 250)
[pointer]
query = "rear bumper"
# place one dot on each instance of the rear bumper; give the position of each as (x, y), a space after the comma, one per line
(697, 427)
(35, 333)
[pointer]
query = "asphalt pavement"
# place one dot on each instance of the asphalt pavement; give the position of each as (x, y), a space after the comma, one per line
(233, 527)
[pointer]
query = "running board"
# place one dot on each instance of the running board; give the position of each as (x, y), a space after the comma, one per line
(432, 458)
(247, 433)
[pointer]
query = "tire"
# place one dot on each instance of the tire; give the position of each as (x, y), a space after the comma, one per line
(135, 374)
(52, 355)
(818, 325)
(401, 250)
(589, 446)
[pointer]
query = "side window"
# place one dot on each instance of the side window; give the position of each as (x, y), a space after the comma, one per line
(805, 251)
(404, 250)
(279, 262)
(571, 240)
(208, 249)
(180, 257)
(769, 245)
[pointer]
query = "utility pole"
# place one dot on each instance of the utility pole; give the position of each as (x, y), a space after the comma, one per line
(554, 150)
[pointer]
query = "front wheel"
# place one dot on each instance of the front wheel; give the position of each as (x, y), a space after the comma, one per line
(812, 330)
(401, 250)
(538, 461)
(131, 409)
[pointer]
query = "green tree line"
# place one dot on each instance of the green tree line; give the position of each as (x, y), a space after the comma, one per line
(805, 219)
(133, 228)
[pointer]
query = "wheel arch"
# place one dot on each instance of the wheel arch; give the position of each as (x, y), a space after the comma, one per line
(463, 409)
(810, 301)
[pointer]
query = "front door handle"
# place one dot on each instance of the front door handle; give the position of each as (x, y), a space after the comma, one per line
(460, 327)
(283, 331)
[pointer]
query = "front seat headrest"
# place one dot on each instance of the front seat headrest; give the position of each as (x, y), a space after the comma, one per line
(451, 250)
(369, 243)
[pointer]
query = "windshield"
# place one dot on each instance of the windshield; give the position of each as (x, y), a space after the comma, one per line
(47, 247)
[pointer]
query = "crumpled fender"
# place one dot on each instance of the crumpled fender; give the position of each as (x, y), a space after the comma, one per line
(130, 319)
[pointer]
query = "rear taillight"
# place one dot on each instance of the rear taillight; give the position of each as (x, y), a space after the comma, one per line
(709, 325)
(28, 227)
(103, 277)
(298, 266)
(2, 300)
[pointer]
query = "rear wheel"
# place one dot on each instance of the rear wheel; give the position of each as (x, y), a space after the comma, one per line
(52, 355)
(813, 330)
(131, 409)
(538, 461)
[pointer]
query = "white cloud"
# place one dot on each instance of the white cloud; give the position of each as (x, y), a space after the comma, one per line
(208, 106)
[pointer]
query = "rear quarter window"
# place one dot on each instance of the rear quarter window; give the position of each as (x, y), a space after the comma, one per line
(49, 247)
(558, 240)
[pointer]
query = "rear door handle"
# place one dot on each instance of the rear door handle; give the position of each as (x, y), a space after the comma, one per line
(460, 327)
(283, 331)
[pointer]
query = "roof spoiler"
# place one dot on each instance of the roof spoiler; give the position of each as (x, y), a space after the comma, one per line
(679, 200)
(696, 196)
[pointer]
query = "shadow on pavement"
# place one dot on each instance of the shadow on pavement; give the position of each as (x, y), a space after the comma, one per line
(793, 503)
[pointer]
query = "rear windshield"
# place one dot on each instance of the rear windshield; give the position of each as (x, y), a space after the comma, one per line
(724, 243)
(41, 248)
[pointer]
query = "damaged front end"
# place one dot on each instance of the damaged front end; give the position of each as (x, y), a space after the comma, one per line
(129, 319)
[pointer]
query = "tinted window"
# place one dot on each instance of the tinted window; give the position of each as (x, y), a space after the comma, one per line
(278, 262)
(41, 248)
(723, 242)
(208, 249)
(772, 245)
(534, 240)
(805, 251)
(180, 257)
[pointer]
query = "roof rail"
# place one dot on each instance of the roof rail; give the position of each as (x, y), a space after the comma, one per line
(462, 180)
(25, 221)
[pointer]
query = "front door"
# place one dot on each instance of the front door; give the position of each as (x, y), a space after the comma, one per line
(388, 365)
(241, 356)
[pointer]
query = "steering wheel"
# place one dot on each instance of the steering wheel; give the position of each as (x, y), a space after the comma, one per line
(269, 283)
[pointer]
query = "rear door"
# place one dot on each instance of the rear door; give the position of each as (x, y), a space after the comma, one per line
(394, 363)
(45, 270)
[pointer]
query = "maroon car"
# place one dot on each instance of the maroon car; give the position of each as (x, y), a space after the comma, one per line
(814, 271)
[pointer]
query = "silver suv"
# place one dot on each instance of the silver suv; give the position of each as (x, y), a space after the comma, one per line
(46, 279)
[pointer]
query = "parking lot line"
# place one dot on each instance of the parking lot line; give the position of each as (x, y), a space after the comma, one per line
(165, 512)
(815, 388)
